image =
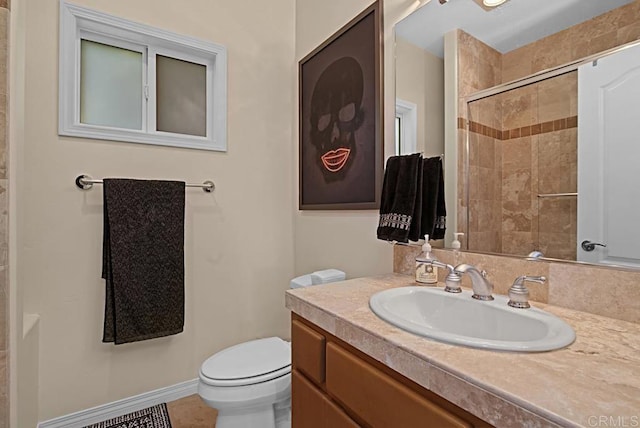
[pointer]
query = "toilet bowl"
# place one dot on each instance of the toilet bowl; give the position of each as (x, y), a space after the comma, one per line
(250, 383)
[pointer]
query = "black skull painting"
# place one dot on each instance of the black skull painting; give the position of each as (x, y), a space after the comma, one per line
(336, 113)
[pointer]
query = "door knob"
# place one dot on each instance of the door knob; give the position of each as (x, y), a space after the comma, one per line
(590, 246)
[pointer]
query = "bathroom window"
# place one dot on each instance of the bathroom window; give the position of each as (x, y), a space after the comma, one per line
(406, 127)
(124, 81)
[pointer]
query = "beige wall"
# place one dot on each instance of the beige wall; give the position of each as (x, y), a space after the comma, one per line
(420, 80)
(344, 239)
(24, 350)
(238, 240)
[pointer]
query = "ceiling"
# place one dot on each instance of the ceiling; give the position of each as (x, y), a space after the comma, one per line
(514, 24)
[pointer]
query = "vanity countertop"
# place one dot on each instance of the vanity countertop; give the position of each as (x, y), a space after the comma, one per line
(593, 382)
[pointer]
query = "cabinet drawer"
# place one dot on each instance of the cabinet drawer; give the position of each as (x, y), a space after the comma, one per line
(378, 399)
(310, 408)
(308, 351)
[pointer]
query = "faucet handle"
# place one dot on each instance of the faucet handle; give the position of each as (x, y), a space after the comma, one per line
(519, 293)
(452, 281)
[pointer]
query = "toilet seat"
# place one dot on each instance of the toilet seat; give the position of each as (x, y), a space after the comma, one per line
(248, 363)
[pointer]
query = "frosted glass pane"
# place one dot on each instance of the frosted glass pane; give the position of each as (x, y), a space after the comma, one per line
(181, 96)
(110, 86)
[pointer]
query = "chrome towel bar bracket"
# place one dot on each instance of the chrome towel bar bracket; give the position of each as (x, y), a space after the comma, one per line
(85, 182)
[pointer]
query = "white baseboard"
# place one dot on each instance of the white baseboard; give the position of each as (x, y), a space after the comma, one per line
(122, 407)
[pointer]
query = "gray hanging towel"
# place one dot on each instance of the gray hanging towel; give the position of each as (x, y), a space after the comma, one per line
(401, 201)
(143, 259)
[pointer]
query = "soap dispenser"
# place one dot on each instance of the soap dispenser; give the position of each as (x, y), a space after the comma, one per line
(426, 273)
(455, 246)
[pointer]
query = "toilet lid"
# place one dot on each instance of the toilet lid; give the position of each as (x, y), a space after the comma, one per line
(248, 363)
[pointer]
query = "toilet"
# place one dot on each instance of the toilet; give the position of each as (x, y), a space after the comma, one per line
(250, 383)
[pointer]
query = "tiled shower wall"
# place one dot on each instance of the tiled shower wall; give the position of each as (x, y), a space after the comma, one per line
(4, 230)
(535, 150)
(531, 136)
(611, 29)
(479, 66)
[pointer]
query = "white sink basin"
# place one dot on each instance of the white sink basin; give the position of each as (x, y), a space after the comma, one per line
(461, 320)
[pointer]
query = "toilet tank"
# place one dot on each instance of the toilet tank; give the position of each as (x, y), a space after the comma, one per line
(319, 277)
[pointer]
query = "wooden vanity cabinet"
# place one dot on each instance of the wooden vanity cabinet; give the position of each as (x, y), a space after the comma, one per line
(335, 385)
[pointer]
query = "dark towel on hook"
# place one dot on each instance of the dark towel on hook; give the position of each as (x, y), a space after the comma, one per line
(434, 211)
(143, 259)
(401, 204)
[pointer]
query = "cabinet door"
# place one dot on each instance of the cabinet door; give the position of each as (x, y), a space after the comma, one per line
(378, 399)
(312, 409)
(307, 351)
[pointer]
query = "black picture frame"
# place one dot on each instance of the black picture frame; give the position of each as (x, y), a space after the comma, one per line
(341, 118)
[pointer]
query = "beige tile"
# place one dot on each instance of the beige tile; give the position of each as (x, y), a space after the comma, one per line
(486, 185)
(486, 152)
(557, 148)
(480, 241)
(4, 327)
(404, 259)
(474, 149)
(468, 72)
(535, 165)
(552, 51)
(598, 290)
(3, 146)
(517, 63)
(191, 412)
(554, 100)
(607, 292)
(556, 215)
(517, 216)
(474, 182)
(517, 243)
(557, 179)
(497, 182)
(483, 111)
(486, 216)
(629, 33)
(474, 215)
(557, 245)
(516, 185)
(487, 73)
(517, 109)
(516, 154)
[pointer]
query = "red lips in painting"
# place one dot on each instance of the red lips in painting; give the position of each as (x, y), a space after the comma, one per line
(335, 160)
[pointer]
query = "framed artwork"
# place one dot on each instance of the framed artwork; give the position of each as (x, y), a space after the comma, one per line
(340, 89)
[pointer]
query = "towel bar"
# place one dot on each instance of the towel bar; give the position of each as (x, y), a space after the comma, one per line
(555, 195)
(85, 182)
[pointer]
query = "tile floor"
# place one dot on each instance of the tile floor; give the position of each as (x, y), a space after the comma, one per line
(191, 412)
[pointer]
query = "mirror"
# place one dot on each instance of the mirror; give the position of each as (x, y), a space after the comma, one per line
(500, 93)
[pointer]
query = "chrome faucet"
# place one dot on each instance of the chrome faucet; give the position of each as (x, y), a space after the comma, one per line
(482, 287)
(519, 293)
(452, 280)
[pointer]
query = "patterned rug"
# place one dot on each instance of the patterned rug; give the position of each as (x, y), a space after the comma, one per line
(151, 417)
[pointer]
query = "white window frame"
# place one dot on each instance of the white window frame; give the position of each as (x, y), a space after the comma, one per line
(408, 114)
(78, 22)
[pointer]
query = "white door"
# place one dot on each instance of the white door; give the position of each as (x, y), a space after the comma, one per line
(609, 159)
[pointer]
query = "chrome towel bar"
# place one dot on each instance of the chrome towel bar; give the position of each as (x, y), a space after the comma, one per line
(556, 195)
(85, 182)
